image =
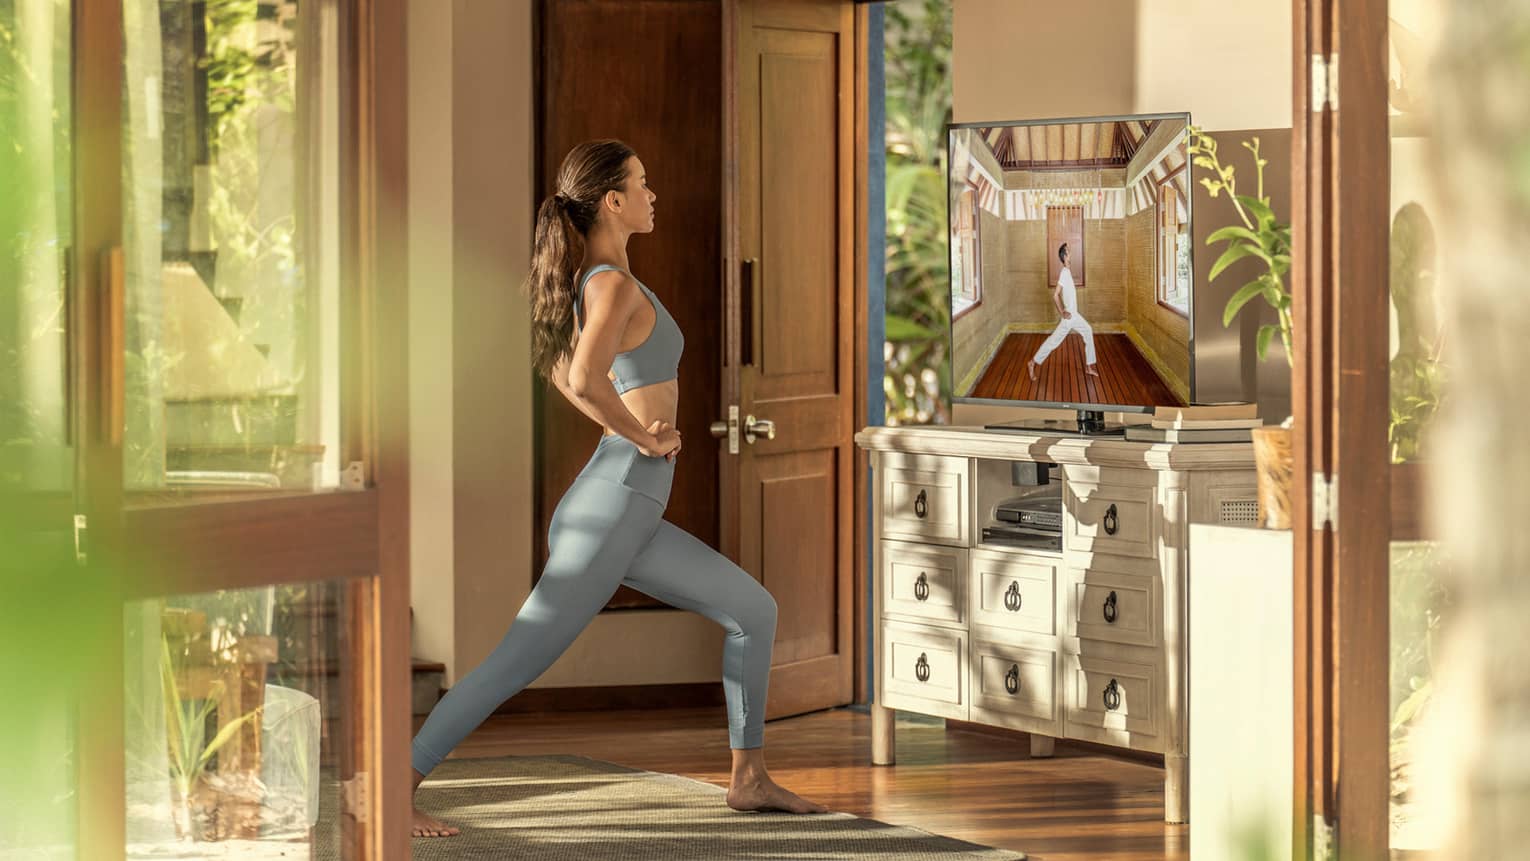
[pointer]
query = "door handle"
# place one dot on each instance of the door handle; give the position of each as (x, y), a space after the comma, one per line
(746, 310)
(114, 310)
(728, 428)
(754, 427)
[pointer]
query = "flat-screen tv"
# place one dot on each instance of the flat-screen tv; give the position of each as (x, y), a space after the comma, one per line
(1071, 264)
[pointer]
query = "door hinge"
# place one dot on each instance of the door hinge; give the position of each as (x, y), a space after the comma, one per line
(355, 796)
(1325, 503)
(1325, 83)
(81, 554)
(1324, 846)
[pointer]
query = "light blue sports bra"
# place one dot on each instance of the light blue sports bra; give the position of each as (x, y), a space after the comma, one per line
(655, 360)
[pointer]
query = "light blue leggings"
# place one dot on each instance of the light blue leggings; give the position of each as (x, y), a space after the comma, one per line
(608, 531)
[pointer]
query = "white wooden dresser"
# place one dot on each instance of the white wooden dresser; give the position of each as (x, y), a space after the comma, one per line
(1090, 642)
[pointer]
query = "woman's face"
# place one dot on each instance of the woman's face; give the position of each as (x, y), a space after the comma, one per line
(633, 205)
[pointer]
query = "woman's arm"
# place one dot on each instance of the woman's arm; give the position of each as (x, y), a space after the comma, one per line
(610, 300)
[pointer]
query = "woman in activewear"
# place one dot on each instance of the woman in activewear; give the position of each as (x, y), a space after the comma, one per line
(607, 343)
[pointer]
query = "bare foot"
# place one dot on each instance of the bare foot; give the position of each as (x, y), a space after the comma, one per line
(426, 825)
(767, 795)
(1030, 368)
(1091, 371)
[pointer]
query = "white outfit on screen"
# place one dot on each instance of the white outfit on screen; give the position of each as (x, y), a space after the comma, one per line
(1074, 323)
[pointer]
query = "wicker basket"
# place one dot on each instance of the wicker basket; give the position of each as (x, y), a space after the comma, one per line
(1272, 459)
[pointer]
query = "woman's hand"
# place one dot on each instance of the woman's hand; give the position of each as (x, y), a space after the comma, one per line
(665, 440)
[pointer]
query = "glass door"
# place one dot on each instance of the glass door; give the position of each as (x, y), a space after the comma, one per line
(42, 589)
(191, 289)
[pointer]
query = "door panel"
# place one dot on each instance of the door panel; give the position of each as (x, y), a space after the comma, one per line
(791, 489)
(795, 112)
(672, 115)
(797, 296)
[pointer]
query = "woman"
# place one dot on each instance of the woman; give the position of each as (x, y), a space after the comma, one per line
(612, 349)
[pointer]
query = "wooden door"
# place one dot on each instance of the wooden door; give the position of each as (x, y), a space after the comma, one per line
(1065, 224)
(589, 49)
(795, 334)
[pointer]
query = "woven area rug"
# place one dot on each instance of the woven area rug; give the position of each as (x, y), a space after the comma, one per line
(568, 808)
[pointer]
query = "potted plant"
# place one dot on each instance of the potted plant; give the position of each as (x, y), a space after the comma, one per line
(1261, 236)
(190, 749)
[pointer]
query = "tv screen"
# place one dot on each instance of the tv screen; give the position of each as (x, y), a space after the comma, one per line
(1071, 263)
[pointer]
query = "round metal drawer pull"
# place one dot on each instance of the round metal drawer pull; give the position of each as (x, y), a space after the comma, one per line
(1112, 696)
(1012, 679)
(1112, 520)
(922, 587)
(1110, 607)
(1012, 597)
(922, 668)
(921, 505)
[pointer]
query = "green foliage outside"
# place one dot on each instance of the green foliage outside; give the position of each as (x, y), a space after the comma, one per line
(917, 381)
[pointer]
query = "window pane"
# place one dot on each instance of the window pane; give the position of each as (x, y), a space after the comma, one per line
(232, 325)
(235, 720)
(1419, 364)
(46, 626)
(36, 218)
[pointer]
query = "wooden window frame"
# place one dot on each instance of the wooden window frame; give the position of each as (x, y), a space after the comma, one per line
(977, 253)
(1158, 286)
(1340, 289)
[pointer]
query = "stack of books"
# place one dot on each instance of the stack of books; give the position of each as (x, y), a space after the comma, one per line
(1226, 422)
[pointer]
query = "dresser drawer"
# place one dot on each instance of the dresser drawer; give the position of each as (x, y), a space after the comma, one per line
(924, 669)
(1113, 701)
(1014, 594)
(1112, 607)
(923, 497)
(1014, 686)
(923, 582)
(1109, 511)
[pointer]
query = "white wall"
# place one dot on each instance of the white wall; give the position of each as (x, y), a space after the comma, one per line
(430, 335)
(1228, 64)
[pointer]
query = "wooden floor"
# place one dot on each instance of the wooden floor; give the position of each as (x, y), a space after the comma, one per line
(1081, 805)
(1125, 376)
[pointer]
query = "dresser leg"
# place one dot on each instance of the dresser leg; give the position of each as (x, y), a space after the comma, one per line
(883, 735)
(1042, 746)
(1176, 788)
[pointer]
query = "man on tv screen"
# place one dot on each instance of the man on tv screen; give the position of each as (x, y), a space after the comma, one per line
(1064, 297)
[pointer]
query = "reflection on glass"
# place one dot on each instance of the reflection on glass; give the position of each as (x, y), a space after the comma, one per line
(38, 816)
(1418, 372)
(232, 701)
(232, 308)
(36, 220)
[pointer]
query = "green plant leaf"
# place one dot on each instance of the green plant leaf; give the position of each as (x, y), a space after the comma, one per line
(1232, 232)
(1230, 256)
(1239, 299)
(1253, 204)
(1262, 340)
(224, 736)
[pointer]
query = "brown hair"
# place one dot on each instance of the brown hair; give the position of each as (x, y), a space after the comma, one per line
(563, 221)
